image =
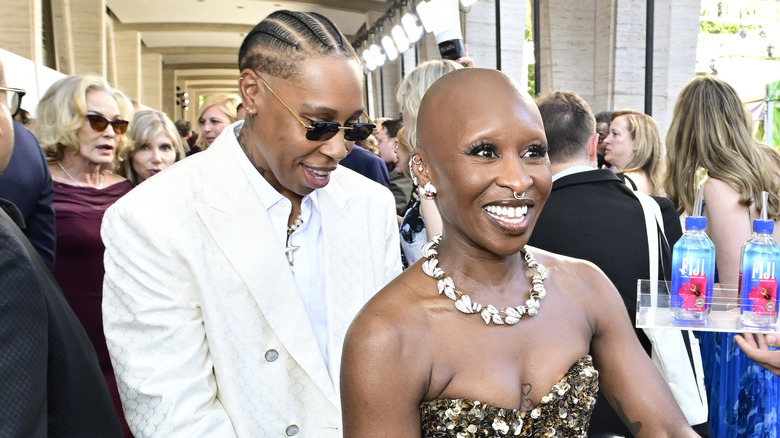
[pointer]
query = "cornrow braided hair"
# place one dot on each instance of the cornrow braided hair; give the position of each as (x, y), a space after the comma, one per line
(278, 44)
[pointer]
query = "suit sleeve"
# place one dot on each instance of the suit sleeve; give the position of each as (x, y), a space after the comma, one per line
(155, 333)
(23, 345)
(392, 250)
(40, 223)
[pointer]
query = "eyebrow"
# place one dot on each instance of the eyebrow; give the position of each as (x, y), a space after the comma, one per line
(330, 112)
(96, 112)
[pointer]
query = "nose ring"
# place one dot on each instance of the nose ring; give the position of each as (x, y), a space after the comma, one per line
(520, 196)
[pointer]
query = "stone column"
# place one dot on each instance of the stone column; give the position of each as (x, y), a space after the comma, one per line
(22, 28)
(127, 46)
(80, 36)
(151, 80)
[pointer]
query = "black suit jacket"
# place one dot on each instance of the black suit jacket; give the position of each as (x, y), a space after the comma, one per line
(50, 380)
(26, 182)
(367, 164)
(592, 215)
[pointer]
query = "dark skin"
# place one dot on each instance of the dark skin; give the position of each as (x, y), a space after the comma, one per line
(409, 344)
(328, 89)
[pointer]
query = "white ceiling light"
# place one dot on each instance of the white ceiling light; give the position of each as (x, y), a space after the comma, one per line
(400, 38)
(413, 30)
(368, 58)
(379, 57)
(389, 47)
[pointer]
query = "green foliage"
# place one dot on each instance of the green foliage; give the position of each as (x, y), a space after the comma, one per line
(713, 27)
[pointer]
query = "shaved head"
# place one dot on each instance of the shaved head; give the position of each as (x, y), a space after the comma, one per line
(455, 97)
(482, 145)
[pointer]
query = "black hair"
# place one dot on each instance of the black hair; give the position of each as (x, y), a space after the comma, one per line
(568, 123)
(604, 117)
(183, 126)
(277, 45)
(392, 126)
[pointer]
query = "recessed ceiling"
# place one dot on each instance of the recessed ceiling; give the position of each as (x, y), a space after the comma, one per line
(208, 33)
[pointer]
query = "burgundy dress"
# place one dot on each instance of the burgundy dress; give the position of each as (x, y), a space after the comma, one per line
(78, 264)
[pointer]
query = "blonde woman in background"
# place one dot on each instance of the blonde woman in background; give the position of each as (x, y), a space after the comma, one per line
(711, 132)
(216, 112)
(634, 147)
(421, 220)
(81, 122)
(156, 144)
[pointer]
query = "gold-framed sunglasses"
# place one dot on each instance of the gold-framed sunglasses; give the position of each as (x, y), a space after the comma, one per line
(321, 131)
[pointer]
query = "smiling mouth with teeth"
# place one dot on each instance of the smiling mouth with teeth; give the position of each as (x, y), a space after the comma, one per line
(507, 212)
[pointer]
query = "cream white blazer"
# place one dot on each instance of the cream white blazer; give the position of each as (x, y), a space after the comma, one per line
(207, 333)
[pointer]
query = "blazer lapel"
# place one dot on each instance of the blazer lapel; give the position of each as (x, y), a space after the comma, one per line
(344, 286)
(238, 221)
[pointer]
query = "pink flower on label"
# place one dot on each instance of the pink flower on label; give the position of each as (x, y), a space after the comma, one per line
(762, 295)
(694, 293)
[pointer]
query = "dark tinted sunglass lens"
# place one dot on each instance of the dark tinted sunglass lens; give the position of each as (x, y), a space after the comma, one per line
(97, 123)
(322, 131)
(359, 131)
(120, 126)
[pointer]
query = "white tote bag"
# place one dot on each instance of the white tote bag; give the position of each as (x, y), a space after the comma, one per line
(680, 366)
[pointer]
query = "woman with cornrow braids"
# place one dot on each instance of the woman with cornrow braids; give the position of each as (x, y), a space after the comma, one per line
(232, 277)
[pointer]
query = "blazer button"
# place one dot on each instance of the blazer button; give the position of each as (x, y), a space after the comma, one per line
(291, 430)
(270, 356)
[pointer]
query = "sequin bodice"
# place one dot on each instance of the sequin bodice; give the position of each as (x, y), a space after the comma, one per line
(565, 411)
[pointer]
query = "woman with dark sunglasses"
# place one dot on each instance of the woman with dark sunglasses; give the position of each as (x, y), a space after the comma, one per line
(80, 126)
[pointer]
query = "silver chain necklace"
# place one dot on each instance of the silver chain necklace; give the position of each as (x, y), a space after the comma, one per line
(100, 176)
(288, 251)
(511, 315)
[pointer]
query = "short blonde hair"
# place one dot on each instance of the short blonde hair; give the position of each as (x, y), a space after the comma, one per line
(63, 109)
(649, 147)
(226, 103)
(147, 125)
(415, 84)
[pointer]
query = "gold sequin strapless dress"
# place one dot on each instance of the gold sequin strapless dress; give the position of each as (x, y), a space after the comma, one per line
(564, 412)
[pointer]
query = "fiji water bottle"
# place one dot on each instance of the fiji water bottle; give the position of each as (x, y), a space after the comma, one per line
(758, 286)
(693, 270)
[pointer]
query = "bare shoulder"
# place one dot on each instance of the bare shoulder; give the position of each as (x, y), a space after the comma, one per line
(390, 315)
(562, 268)
(716, 187)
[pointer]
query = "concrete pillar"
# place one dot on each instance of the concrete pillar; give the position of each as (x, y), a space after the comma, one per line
(152, 80)
(480, 32)
(127, 46)
(80, 36)
(598, 50)
(22, 28)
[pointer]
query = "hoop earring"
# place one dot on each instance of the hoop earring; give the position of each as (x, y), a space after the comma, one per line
(411, 167)
(521, 196)
(429, 191)
(418, 163)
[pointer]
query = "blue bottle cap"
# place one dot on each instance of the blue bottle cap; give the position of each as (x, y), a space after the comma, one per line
(695, 223)
(762, 226)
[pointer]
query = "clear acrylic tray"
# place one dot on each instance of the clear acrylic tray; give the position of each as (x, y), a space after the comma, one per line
(652, 310)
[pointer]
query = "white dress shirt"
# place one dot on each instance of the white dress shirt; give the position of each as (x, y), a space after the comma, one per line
(308, 268)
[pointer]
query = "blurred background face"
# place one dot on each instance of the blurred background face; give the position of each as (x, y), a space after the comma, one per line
(602, 129)
(212, 122)
(386, 146)
(151, 158)
(99, 147)
(620, 148)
